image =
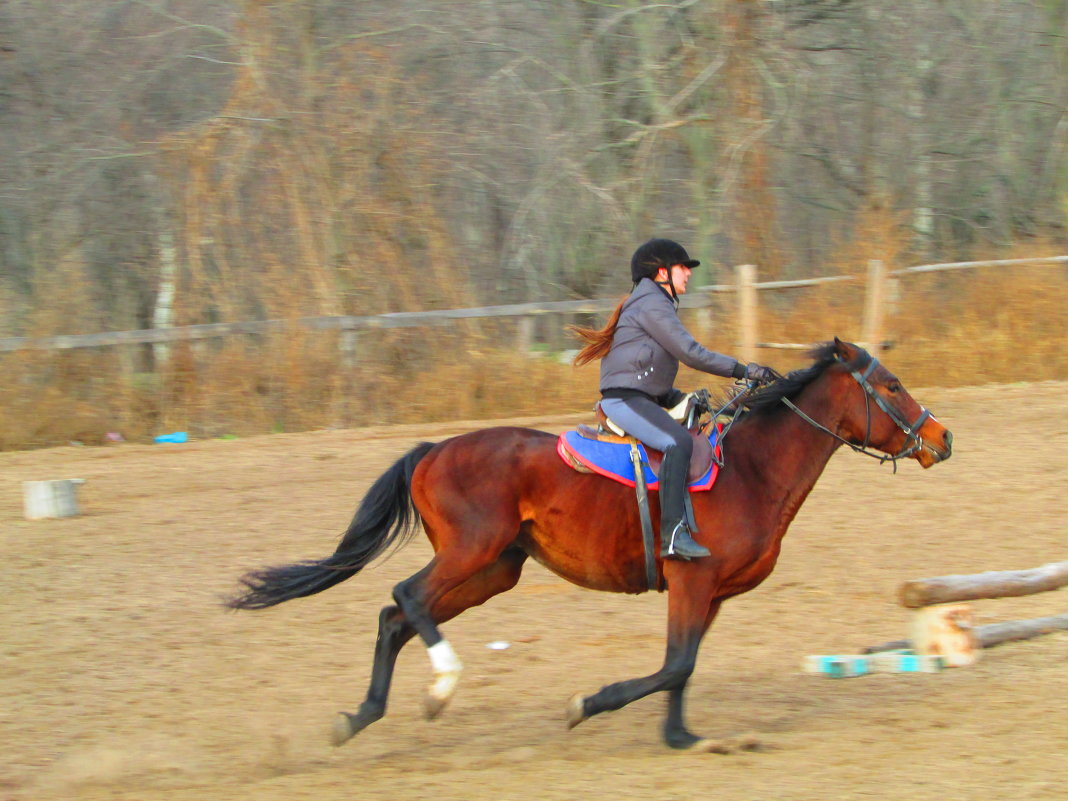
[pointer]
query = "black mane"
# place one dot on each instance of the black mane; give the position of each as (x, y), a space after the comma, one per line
(823, 356)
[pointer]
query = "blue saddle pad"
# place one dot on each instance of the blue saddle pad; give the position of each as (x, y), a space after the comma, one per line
(612, 459)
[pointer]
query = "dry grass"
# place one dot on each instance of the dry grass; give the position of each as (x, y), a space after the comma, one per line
(959, 328)
(336, 214)
(949, 329)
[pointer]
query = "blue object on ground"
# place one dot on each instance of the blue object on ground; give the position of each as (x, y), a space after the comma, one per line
(840, 666)
(177, 436)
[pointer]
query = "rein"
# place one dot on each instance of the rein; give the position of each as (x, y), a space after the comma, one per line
(704, 406)
(913, 442)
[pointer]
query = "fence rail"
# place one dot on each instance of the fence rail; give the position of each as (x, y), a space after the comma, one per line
(700, 298)
(966, 265)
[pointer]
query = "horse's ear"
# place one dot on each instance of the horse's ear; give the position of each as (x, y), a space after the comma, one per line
(845, 351)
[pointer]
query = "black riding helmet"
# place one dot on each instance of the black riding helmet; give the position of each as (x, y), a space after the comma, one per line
(657, 253)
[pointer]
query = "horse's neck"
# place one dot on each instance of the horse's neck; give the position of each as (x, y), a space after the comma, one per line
(785, 456)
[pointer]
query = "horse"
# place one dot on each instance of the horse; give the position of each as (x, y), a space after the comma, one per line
(490, 499)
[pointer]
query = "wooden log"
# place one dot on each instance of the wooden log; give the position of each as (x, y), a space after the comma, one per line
(1012, 630)
(993, 634)
(994, 584)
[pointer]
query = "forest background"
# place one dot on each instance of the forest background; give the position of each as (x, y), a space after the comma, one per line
(174, 162)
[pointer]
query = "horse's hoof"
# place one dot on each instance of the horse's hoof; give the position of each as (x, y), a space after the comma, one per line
(343, 730)
(576, 711)
(432, 706)
(440, 693)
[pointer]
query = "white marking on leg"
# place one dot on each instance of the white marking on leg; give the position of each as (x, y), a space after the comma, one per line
(447, 669)
(443, 658)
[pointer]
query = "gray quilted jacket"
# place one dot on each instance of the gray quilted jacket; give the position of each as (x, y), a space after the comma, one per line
(649, 343)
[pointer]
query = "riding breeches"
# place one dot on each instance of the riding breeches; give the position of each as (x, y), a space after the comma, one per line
(648, 422)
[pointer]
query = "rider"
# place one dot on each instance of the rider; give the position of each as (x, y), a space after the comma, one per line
(640, 349)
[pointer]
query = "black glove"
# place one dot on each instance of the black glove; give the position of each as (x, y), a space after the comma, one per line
(759, 373)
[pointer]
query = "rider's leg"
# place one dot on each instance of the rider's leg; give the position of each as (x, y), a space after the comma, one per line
(676, 540)
(642, 418)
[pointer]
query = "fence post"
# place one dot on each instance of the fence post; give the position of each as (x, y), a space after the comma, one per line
(524, 334)
(348, 347)
(874, 305)
(745, 275)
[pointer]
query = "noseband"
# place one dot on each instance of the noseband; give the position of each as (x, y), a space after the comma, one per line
(913, 441)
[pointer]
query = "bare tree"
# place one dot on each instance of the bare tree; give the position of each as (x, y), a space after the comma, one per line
(190, 158)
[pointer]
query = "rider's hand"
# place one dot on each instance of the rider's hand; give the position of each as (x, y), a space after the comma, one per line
(759, 373)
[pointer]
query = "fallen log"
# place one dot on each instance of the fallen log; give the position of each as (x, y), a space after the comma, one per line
(996, 633)
(994, 584)
(993, 634)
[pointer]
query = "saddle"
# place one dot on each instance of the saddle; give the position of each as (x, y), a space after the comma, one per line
(606, 449)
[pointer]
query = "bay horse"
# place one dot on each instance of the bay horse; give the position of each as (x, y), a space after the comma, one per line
(490, 499)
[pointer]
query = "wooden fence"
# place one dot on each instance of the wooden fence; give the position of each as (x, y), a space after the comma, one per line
(879, 286)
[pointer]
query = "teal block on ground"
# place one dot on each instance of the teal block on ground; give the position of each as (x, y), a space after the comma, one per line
(837, 666)
(841, 666)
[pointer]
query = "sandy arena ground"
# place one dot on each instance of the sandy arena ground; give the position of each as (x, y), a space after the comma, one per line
(124, 678)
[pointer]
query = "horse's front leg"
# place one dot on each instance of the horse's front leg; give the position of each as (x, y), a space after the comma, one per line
(672, 676)
(676, 734)
(690, 612)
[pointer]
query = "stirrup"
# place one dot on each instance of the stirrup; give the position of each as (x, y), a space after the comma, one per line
(680, 545)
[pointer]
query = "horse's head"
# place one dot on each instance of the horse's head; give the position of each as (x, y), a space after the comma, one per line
(878, 412)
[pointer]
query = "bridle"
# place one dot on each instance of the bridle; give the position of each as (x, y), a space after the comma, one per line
(913, 441)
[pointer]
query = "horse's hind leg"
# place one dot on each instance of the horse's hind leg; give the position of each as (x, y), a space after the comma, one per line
(394, 630)
(413, 597)
(393, 633)
(427, 601)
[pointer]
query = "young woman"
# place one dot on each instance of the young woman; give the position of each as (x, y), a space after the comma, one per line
(640, 349)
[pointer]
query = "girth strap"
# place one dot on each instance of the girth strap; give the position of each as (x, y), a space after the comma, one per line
(643, 512)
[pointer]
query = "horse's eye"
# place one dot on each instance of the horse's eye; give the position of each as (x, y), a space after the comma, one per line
(894, 387)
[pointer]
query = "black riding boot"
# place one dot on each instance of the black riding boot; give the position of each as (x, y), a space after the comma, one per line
(676, 541)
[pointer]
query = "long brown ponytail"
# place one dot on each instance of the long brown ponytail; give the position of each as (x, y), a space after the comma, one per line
(598, 341)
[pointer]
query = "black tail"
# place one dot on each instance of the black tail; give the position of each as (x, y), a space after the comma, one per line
(385, 517)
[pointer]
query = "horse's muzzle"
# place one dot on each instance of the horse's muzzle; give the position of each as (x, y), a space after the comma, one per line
(932, 454)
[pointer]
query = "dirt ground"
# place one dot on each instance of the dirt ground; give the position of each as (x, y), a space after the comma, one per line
(124, 678)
